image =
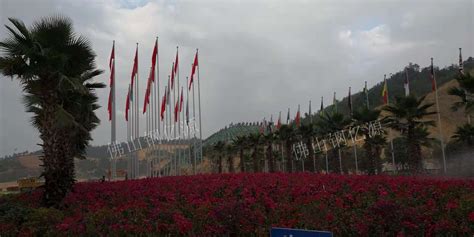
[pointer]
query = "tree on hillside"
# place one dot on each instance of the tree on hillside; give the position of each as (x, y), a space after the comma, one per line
(373, 143)
(408, 115)
(55, 69)
(465, 92)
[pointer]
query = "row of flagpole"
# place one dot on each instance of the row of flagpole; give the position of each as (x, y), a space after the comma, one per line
(386, 101)
(159, 118)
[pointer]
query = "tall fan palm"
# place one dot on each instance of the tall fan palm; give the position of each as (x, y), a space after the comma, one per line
(307, 132)
(269, 140)
(465, 134)
(255, 141)
(465, 92)
(408, 115)
(330, 123)
(230, 150)
(54, 68)
(219, 148)
(241, 144)
(288, 137)
(373, 143)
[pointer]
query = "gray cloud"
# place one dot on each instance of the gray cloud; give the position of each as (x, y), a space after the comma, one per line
(257, 57)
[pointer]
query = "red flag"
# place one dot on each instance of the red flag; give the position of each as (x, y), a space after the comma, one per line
(176, 63)
(193, 69)
(127, 103)
(147, 92)
(297, 118)
(154, 58)
(163, 106)
(181, 101)
(111, 81)
(176, 109)
(432, 76)
(385, 91)
(135, 67)
(172, 76)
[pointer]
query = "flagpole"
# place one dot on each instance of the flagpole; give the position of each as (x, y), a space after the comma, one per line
(199, 100)
(439, 120)
(114, 119)
(310, 117)
(187, 125)
(157, 110)
(137, 162)
(128, 132)
(178, 158)
(351, 116)
(194, 126)
(159, 106)
(390, 130)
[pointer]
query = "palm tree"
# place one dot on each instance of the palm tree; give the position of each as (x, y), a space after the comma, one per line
(373, 143)
(219, 148)
(330, 123)
(241, 143)
(255, 141)
(54, 68)
(307, 131)
(464, 92)
(269, 140)
(408, 115)
(288, 137)
(465, 134)
(230, 150)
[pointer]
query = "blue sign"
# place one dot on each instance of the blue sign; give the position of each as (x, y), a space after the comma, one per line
(285, 232)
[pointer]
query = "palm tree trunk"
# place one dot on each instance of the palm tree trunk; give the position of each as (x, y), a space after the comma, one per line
(289, 157)
(230, 162)
(271, 161)
(312, 156)
(254, 159)
(58, 170)
(219, 164)
(242, 164)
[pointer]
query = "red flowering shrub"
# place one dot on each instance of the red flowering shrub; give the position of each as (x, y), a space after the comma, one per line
(249, 204)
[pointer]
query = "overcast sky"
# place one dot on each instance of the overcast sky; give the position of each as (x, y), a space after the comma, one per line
(257, 57)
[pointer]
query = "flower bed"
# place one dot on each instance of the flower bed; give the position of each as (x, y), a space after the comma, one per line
(249, 204)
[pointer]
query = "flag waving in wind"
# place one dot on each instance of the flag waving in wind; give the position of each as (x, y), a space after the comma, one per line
(112, 79)
(298, 117)
(288, 117)
(385, 90)
(432, 76)
(193, 69)
(127, 103)
(163, 104)
(321, 109)
(181, 101)
(151, 76)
